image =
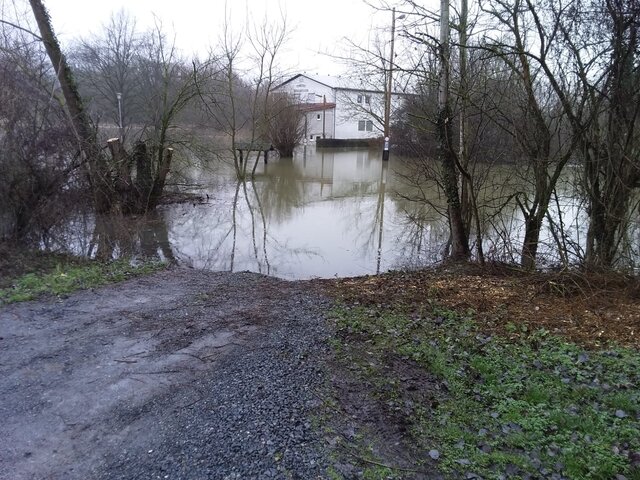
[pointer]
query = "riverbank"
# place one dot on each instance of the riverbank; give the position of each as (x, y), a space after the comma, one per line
(26, 275)
(476, 374)
(448, 373)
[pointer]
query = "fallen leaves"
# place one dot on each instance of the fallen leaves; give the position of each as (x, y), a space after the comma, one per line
(591, 311)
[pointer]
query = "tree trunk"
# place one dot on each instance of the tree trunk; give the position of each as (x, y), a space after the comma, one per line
(142, 159)
(470, 212)
(160, 180)
(123, 185)
(608, 218)
(84, 130)
(459, 241)
(612, 162)
(533, 224)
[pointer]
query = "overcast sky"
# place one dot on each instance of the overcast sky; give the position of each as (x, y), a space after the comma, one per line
(318, 28)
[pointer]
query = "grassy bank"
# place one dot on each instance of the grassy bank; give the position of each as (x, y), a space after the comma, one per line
(31, 275)
(469, 400)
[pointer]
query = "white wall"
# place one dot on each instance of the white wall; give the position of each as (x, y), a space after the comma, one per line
(343, 122)
(307, 90)
(349, 112)
(314, 124)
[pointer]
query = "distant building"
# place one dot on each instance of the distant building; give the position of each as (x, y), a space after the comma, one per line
(335, 107)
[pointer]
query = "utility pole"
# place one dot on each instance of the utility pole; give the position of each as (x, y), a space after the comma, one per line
(120, 126)
(324, 114)
(387, 99)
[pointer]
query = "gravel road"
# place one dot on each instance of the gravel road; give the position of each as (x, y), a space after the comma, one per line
(181, 374)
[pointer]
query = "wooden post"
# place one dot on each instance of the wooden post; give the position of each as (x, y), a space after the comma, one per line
(122, 181)
(121, 162)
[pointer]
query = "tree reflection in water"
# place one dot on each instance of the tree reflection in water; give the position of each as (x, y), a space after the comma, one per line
(261, 263)
(323, 213)
(145, 237)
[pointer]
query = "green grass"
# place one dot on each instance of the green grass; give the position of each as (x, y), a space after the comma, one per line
(539, 405)
(67, 278)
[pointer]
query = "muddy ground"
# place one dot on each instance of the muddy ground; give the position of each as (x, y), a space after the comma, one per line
(192, 375)
(181, 374)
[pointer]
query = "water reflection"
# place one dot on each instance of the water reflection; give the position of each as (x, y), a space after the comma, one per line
(108, 237)
(322, 213)
(144, 236)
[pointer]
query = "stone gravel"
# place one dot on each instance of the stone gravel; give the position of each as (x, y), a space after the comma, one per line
(255, 416)
(228, 387)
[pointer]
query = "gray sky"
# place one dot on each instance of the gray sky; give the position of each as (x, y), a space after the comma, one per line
(318, 28)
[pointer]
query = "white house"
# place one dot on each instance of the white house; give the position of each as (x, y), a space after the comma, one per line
(336, 108)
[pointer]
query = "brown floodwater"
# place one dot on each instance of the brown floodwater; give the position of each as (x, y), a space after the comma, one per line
(324, 213)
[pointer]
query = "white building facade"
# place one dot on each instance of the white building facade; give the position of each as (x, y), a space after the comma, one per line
(334, 108)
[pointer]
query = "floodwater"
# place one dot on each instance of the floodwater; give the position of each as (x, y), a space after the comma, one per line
(324, 213)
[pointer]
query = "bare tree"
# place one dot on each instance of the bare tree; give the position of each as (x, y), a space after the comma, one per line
(611, 145)
(129, 182)
(598, 98)
(83, 127)
(168, 86)
(37, 146)
(237, 88)
(459, 237)
(286, 124)
(537, 123)
(108, 77)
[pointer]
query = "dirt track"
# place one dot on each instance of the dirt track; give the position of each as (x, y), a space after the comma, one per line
(181, 374)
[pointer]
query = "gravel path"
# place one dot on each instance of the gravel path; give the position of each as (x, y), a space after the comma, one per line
(182, 374)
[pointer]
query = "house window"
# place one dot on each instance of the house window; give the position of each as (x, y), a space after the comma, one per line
(365, 125)
(317, 116)
(367, 99)
(310, 137)
(359, 98)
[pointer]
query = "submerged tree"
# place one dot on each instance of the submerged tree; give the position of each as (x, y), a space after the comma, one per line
(532, 118)
(128, 182)
(83, 127)
(36, 144)
(286, 124)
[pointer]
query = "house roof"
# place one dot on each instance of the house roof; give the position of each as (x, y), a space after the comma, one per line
(337, 83)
